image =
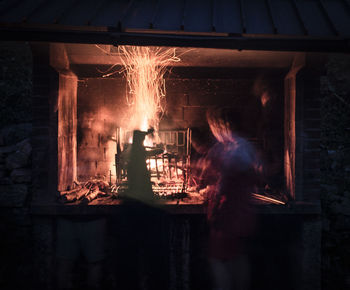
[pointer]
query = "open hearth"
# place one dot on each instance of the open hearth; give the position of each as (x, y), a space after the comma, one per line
(95, 116)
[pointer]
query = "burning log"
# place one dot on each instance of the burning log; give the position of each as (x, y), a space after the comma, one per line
(95, 193)
(268, 199)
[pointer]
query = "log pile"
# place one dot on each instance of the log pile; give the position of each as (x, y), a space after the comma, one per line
(86, 192)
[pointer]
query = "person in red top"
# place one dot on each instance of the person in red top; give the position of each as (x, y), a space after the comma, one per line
(232, 164)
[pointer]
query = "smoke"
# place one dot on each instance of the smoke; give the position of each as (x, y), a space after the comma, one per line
(96, 130)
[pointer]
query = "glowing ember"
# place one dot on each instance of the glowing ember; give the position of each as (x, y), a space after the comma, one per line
(144, 71)
(267, 199)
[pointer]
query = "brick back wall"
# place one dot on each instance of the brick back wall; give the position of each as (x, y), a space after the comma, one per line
(101, 109)
(188, 100)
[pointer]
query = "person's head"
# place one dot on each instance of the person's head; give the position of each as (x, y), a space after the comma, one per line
(138, 137)
(223, 124)
(201, 140)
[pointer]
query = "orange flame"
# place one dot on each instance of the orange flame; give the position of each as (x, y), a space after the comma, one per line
(144, 69)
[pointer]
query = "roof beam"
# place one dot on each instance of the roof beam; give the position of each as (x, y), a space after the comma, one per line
(35, 10)
(273, 22)
(10, 5)
(213, 15)
(148, 39)
(154, 16)
(243, 18)
(100, 6)
(124, 13)
(67, 9)
(182, 26)
(347, 4)
(329, 20)
(297, 11)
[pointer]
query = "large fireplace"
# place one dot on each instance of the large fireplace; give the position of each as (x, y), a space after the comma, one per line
(96, 107)
(84, 128)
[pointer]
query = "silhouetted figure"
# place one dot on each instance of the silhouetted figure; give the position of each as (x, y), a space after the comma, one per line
(142, 222)
(139, 182)
(231, 162)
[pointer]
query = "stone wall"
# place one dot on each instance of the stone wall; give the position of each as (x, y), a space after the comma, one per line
(15, 165)
(335, 169)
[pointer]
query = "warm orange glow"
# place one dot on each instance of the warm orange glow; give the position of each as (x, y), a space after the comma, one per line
(265, 98)
(268, 199)
(144, 69)
(220, 128)
(171, 171)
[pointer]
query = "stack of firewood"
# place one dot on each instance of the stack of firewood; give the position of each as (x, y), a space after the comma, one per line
(86, 192)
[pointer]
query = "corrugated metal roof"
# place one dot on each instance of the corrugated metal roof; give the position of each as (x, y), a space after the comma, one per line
(252, 19)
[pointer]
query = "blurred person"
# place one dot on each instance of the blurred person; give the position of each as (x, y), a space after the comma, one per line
(232, 164)
(80, 237)
(200, 146)
(143, 220)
